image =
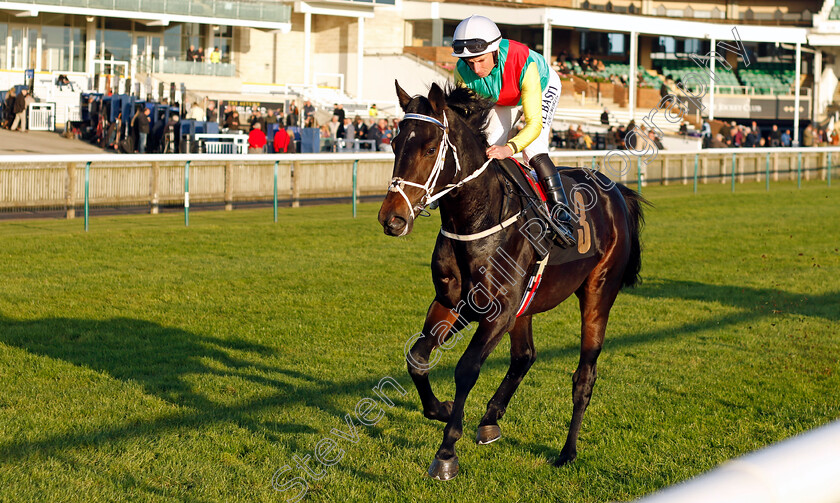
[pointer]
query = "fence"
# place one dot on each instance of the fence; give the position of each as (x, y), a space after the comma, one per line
(52, 181)
(212, 143)
(42, 116)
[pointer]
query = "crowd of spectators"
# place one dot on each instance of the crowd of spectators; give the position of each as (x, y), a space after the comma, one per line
(734, 135)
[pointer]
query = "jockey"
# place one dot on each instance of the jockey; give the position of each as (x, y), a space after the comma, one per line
(514, 76)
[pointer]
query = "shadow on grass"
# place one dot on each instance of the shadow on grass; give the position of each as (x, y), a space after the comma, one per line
(160, 359)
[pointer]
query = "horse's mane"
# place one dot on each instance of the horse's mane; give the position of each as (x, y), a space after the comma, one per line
(470, 106)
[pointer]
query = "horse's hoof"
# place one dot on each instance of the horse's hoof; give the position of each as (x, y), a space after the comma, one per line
(444, 469)
(565, 458)
(488, 434)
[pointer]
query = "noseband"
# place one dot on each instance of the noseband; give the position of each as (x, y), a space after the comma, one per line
(398, 184)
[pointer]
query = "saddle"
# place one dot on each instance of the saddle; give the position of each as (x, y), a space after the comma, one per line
(525, 186)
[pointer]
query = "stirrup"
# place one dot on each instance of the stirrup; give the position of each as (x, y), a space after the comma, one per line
(563, 234)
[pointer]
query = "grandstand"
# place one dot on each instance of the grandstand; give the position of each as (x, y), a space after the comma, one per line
(349, 52)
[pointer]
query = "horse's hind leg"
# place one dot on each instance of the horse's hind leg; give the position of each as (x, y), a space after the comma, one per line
(596, 299)
(522, 356)
(440, 325)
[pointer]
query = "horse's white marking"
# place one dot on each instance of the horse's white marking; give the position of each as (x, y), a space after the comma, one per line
(411, 135)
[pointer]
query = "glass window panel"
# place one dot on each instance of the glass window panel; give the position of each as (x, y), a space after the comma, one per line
(4, 33)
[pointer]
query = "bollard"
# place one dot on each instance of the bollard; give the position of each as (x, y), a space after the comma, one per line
(187, 194)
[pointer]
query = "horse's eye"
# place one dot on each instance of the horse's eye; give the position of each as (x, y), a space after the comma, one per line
(431, 151)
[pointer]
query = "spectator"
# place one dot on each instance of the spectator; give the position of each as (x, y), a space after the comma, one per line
(750, 138)
(197, 112)
(718, 141)
(9, 107)
(270, 118)
(199, 55)
(379, 134)
(630, 139)
(293, 119)
(192, 55)
(338, 111)
(605, 117)
(373, 112)
(19, 110)
(775, 136)
(349, 132)
(142, 124)
(211, 113)
(256, 118)
(334, 125)
(281, 141)
(216, 56)
(232, 123)
(786, 139)
(360, 128)
(757, 131)
(655, 140)
(684, 128)
(310, 122)
(308, 111)
(256, 139)
(807, 136)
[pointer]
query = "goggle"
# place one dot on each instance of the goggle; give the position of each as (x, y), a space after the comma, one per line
(473, 45)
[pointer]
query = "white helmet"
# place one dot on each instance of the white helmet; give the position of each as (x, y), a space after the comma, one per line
(475, 36)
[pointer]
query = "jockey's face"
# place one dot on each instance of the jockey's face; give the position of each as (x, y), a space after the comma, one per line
(481, 65)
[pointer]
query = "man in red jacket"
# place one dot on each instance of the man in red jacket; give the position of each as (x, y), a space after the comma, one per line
(256, 140)
(281, 141)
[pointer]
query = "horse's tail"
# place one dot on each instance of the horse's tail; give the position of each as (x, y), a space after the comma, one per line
(635, 222)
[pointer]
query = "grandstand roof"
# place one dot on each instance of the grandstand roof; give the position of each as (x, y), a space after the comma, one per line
(578, 18)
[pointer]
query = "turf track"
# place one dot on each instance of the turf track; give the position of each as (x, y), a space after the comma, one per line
(145, 361)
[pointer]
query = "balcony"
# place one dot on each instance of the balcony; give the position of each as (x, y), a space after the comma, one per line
(272, 12)
(189, 68)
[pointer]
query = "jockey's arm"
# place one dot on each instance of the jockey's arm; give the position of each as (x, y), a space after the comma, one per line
(531, 108)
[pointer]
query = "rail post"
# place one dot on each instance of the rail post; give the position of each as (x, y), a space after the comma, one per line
(296, 184)
(87, 194)
(155, 189)
(639, 174)
(767, 173)
(799, 170)
(228, 186)
(733, 172)
(187, 194)
(355, 185)
(70, 192)
(696, 157)
(275, 190)
(829, 169)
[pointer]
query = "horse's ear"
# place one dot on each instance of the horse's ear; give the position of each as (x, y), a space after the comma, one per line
(437, 99)
(402, 96)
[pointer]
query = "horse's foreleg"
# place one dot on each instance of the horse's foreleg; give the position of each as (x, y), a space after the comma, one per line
(522, 356)
(440, 325)
(487, 336)
(595, 304)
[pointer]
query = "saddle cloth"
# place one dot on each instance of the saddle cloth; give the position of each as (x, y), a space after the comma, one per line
(524, 183)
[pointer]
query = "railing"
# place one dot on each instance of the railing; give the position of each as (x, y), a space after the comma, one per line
(51, 181)
(191, 68)
(223, 143)
(270, 12)
(804, 469)
(42, 116)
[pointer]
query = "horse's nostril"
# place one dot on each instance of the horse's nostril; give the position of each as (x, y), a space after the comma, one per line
(396, 223)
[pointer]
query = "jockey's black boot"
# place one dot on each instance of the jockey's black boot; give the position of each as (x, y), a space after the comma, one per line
(559, 220)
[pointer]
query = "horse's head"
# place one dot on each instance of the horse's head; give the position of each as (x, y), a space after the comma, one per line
(419, 159)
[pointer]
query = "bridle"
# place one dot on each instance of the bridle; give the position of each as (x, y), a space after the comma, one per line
(398, 184)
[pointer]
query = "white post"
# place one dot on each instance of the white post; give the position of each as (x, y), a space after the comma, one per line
(712, 81)
(90, 53)
(307, 45)
(25, 49)
(547, 38)
(360, 58)
(38, 56)
(815, 98)
(634, 49)
(132, 72)
(796, 94)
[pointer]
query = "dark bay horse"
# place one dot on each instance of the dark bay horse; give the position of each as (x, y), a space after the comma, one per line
(479, 263)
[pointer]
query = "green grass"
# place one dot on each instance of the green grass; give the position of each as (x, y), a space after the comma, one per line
(145, 361)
